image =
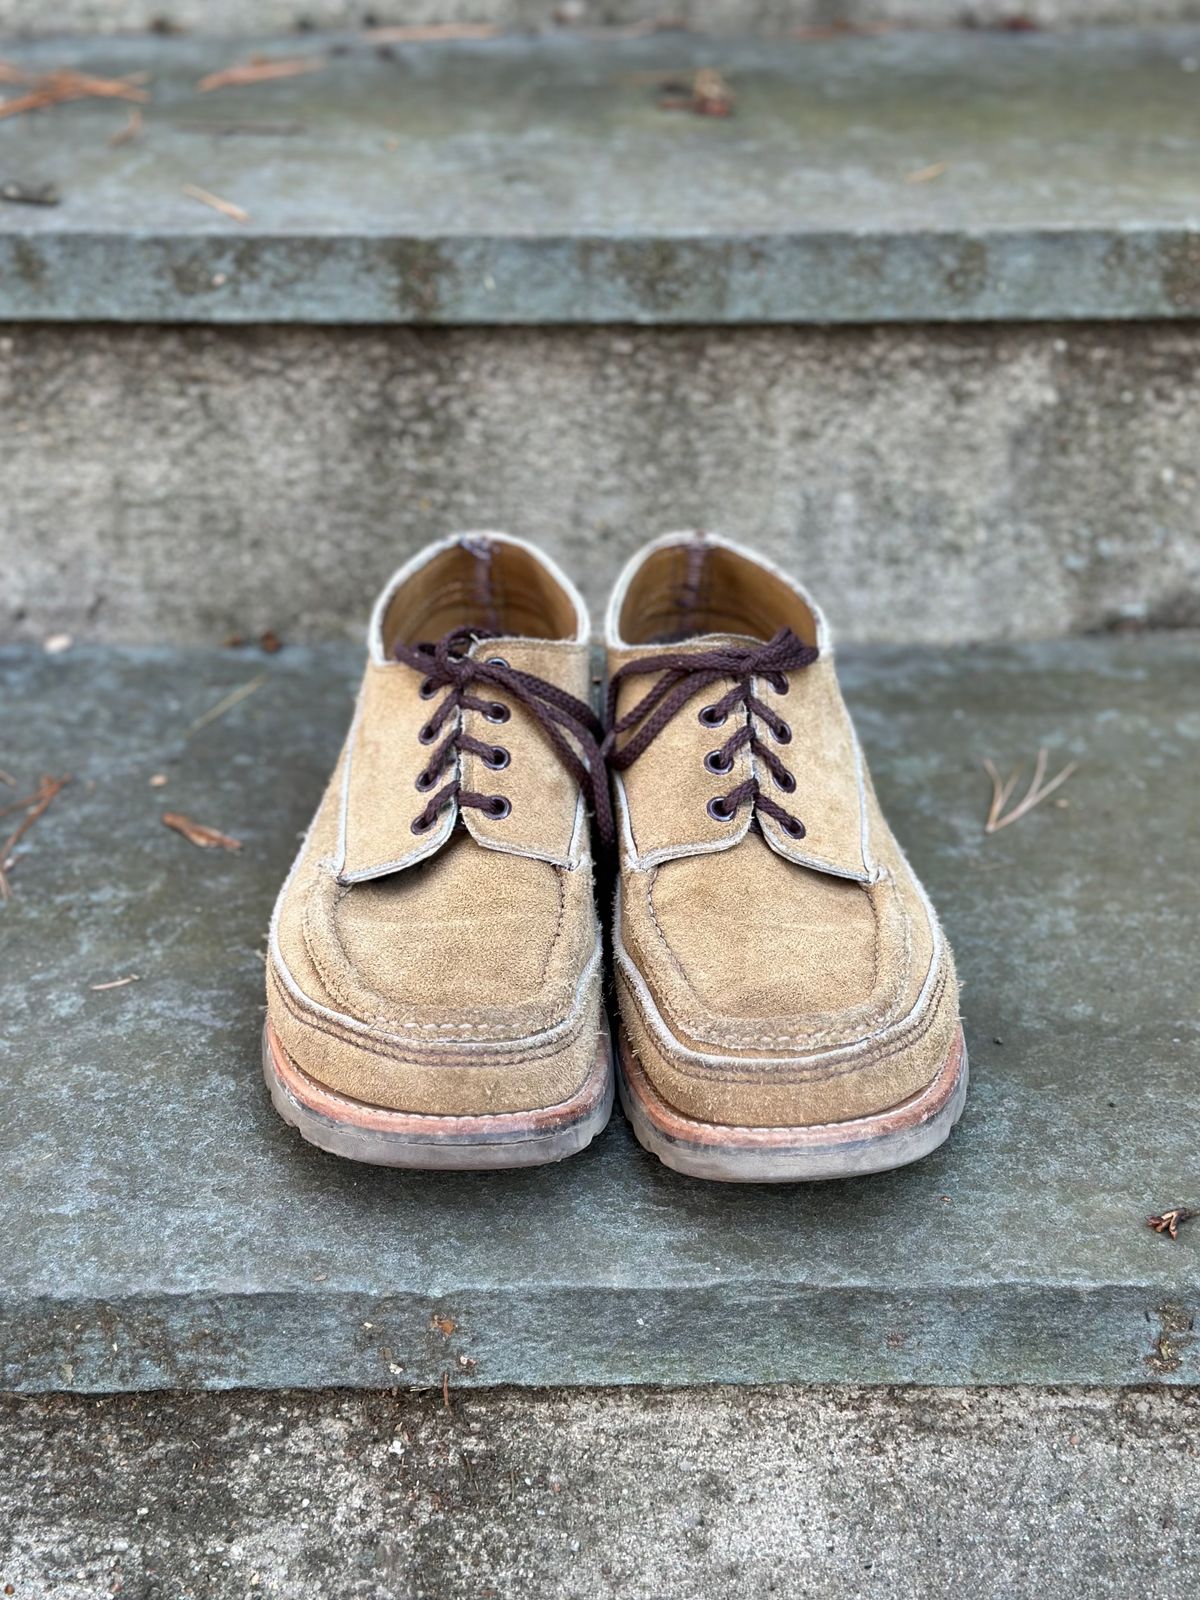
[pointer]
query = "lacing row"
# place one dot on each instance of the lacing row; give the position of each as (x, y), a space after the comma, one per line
(681, 676)
(447, 665)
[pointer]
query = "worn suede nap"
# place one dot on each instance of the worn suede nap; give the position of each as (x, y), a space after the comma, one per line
(767, 982)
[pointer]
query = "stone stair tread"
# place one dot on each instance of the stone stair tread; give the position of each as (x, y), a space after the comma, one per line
(953, 174)
(164, 1229)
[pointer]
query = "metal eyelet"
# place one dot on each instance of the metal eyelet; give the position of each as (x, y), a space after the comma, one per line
(497, 712)
(713, 763)
(782, 734)
(794, 828)
(425, 781)
(498, 807)
(498, 759)
(787, 783)
(422, 824)
(427, 734)
(719, 809)
(496, 661)
(428, 689)
(711, 717)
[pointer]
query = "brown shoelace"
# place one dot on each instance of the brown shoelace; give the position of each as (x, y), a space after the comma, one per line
(446, 665)
(681, 676)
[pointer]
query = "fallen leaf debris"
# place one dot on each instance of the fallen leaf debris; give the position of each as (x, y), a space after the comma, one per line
(44, 89)
(1169, 1222)
(708, 95)
(260, 69)
(198, 833)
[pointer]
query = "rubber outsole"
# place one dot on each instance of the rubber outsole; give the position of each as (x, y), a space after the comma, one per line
(360, 1132)
(726, 1154)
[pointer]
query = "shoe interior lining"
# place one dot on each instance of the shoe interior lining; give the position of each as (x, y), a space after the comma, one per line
(695, 587)
(485, 583)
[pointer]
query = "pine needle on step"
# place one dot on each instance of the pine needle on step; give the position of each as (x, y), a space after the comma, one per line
(1039, 790)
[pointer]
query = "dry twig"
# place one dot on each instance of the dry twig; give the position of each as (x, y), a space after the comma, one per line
(36, 805)
(197, 833)
(115, 983)
(926, 174)
(225, 207)
(1037, 792)
(260, 69)
(1170, 1221)
(53, 88)
(226, 703)
(23, 805)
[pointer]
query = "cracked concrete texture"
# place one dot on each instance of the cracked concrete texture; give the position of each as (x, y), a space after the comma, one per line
(831, 1492)
(929, 483)
(238, 16)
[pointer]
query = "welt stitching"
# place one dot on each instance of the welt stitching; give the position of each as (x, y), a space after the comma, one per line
(911, 1034)
(809, 1127)
(309, 1019)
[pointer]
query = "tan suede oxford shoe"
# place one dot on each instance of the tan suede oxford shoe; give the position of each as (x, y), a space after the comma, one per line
(435, 964)
(788, 1002)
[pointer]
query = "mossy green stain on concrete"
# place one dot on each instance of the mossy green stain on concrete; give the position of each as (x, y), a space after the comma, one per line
(165, 1229)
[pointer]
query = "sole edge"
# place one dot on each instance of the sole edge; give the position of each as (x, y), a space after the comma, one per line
(377, 1136)
(892, 1138)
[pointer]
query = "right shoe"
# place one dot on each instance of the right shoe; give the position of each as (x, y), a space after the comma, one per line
(435, 963)
(789, 1008)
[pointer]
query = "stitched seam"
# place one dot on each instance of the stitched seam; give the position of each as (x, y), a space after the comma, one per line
(801, 1127)
(445, 1117)
(558, 927)
(407, 1051)
(700, 1023)
(670, 954)
(378, 1017)
(912, 1033)
(934, 979)
(466, 1037)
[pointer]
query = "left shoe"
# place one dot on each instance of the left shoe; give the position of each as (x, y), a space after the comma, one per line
(788, 1002)
(435, 965)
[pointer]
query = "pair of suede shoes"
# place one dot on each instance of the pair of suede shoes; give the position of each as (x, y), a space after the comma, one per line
(786, 1002)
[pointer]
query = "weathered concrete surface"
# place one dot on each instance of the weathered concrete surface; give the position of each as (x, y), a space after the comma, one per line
(164, 1228)
(539, 180)
(841, 1493)
(929, 483)
(263, 16)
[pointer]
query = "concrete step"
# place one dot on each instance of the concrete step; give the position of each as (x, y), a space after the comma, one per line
(541, 180)
(929, 483)
(165, 1229)
(249, 16)
(957, 479)
(849, 1494)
